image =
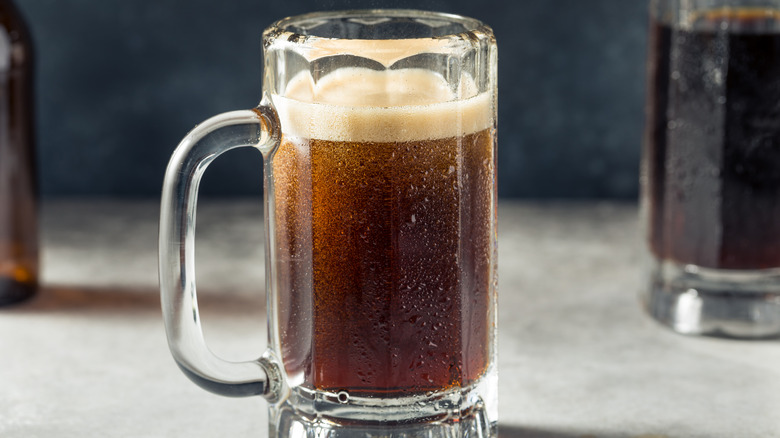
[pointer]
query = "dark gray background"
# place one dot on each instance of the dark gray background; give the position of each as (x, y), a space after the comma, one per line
(120, 82)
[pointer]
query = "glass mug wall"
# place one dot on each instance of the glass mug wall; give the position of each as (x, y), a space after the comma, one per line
(377, 130)
(711, 166)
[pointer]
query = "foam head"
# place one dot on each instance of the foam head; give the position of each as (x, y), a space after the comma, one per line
(360, 104)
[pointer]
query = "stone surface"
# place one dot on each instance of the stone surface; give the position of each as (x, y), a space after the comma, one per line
(577, 357)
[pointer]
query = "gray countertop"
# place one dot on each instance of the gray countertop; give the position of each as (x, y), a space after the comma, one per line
(577, 357)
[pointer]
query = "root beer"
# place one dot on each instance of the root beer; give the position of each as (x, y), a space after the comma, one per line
(385, 209)
(712, 157)
(18, 195)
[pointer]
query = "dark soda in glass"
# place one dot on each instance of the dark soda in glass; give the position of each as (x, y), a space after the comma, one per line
(712, 142)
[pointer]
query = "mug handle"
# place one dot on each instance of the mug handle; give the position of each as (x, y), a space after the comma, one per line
(259, 128)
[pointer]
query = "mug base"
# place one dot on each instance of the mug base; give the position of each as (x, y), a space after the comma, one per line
(468, 412)
(290, 423)
(693, 300)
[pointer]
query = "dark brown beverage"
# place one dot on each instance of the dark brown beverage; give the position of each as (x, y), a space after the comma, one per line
(388, 268)
(385, 237)
(712, 157)
(18, 196)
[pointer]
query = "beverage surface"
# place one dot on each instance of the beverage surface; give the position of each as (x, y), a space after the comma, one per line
(393, 105)
(760, 20)
(713, 140)
(384, 232)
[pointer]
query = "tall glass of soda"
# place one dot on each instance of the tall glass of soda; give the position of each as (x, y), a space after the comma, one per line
(711, 167)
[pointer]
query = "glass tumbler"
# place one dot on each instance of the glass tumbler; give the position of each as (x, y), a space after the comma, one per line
(711, 167)
(378, 138)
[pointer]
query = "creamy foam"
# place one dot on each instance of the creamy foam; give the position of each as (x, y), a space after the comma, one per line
(359, 104)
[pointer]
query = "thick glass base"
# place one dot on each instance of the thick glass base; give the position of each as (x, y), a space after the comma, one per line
(12, 291)
(457, 413)
(472, 424)
(701, 301)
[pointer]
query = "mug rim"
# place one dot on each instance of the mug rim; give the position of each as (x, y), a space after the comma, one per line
(471, 26)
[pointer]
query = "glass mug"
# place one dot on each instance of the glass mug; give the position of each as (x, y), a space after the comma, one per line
(711, 167)
(378, 136)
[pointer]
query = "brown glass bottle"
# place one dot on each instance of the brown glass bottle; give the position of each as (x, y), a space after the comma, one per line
(18, 191)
